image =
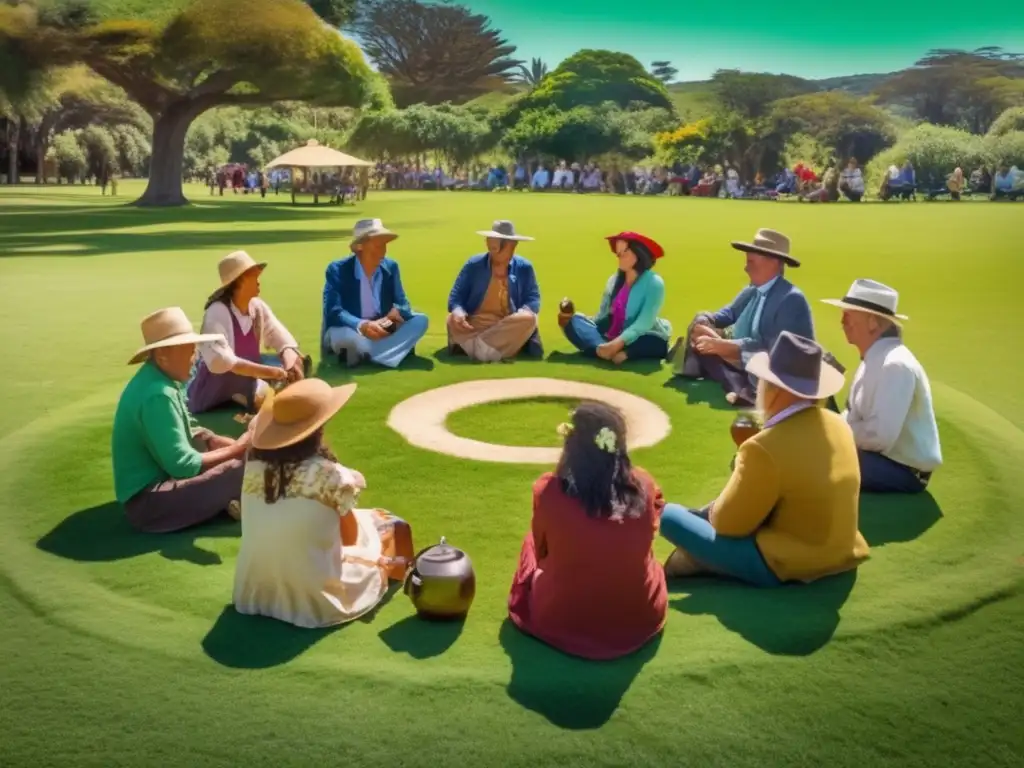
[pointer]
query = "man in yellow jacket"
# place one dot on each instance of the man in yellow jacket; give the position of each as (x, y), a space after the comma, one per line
(790, 510)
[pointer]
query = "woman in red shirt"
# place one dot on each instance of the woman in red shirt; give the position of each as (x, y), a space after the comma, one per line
(587, 582)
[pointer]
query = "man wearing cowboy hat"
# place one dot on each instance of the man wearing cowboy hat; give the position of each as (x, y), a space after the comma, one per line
(890, 406)
(759, 313)
(494, 303)
(167, 475)
(365, 310)
(790, 510)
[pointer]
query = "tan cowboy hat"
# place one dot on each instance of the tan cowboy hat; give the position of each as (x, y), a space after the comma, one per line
(367, 228)
(872, 297)
(169, 327)
(795, 364)
(296, 412)
(232, 267)
(770, 243)
(503, 229)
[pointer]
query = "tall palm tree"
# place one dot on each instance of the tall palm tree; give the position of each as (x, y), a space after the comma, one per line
(533, 75)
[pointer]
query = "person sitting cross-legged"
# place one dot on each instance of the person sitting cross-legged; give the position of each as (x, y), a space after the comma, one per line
(626, 326)
(588, 583)
(759, 313)
(890, 407)
(789, 512)
(365, 310)
(168, 473)
(494, 303)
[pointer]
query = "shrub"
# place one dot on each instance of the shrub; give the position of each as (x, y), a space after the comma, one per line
(1007, 149)
(934, 151)
(1011, 120)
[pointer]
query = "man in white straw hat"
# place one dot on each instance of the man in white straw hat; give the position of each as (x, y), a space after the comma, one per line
(890, 406)
(167, 474)
(365, 310)
(790, 510)
(236, 370)
(719, 344)
(494, 303)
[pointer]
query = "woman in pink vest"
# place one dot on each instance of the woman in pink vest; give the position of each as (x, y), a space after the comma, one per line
(235, 371)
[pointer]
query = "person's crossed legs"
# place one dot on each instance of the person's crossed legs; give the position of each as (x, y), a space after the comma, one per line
(693, 533)
(388, 352)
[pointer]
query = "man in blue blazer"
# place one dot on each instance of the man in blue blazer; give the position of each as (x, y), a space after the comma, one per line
(494, 303)
(764, 309)
(365, 310)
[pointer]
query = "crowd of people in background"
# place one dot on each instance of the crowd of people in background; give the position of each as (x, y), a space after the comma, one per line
(800, 182)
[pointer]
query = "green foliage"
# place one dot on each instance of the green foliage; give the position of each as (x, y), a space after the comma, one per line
(934, 151)
(575, 135)
(802, 148)
(845, 125)
(1006, 149)
(434, 52)
(664, 71)
(1011, 120)
(593, 77)
(71, 158)
(749, 94)
(455, 133)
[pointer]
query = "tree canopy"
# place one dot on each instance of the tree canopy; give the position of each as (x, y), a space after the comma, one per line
(750, 93)
(434, 52)
(845, 125)
(204, 54)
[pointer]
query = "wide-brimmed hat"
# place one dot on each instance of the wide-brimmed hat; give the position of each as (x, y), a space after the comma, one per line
(367, 228)
(797, 365)
(635, 237)
(504, 229)
(769, 243)
(232, 267)
(296, 412)
(872, 297)
(169, 327)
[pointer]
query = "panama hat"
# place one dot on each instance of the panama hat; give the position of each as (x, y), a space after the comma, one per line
(367, 228)
(635, 237)
(769, 243)
(232, 267)
(795, 363)
(169, 327)
(504, 230)
(872, 297)
(296, 412)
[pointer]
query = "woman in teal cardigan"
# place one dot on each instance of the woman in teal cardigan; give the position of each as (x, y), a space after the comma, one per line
(627, 326)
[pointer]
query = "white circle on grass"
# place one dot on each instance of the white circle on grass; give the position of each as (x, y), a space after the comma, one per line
(421, 418)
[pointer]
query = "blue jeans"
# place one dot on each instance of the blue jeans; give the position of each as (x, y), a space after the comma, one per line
(736, 557)
(389, 351)
(584, 334)
(880, 474)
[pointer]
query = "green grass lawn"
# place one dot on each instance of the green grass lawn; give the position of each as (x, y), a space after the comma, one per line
(122, 650)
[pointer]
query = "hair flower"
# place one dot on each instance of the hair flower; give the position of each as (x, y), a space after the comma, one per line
(606, 440)
(564, 429)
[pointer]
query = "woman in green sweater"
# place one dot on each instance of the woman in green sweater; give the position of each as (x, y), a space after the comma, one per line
(627, 326)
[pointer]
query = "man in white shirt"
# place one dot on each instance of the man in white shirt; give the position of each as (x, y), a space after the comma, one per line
(890, 406)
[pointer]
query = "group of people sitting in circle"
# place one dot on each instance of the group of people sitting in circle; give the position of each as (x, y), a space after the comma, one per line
(312, 557)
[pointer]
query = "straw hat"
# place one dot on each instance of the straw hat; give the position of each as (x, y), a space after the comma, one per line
(296, 412)
(872, 297)
(795, 364)
(232, 267)
(504, 230)
(169, 327)
(367, 228)
(769, 243)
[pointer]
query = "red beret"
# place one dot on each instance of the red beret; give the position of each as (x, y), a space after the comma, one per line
(635, 237)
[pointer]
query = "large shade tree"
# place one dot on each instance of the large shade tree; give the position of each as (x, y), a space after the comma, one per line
(185, 57)
(434, 52)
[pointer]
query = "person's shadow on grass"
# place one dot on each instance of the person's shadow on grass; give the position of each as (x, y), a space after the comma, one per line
(330, 369)
(644, 367)
(571, 693)
(102, 534)
(258, 642)
(887, 518)
(701, 391)
(791, 620)
(422, 639)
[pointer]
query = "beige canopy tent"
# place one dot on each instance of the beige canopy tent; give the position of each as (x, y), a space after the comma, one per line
(311, 170)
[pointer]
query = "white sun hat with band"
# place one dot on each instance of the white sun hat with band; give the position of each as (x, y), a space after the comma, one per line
(872, 297)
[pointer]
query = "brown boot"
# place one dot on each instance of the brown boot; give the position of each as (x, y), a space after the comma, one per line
(680, 564)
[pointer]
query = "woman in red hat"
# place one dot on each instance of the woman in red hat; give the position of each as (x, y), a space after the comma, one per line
(627, 326)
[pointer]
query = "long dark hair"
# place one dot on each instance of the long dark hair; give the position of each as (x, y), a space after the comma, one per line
(282, 463)
(224, 297)
(602, 481)
(644, 262)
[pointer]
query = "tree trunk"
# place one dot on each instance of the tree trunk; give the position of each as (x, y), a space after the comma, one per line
(165, 165)
(41, 161)
(13, 142)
